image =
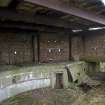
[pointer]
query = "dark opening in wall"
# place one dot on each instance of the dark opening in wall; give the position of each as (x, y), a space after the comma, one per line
(76, 81)
(59, 81)
(14, 80)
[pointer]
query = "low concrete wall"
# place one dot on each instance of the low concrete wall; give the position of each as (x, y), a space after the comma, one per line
(23, 79)
(15, 89)
(11, 85)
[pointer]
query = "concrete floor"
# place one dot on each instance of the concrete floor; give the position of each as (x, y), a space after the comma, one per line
(46, 96)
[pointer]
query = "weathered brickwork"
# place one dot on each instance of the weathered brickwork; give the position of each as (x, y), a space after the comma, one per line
(77, 50)
(54, 47)
(15, 48)
(18, 48)
(95, 47)
(89, 48)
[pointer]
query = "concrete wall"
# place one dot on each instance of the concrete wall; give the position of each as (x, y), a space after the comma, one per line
(82, 72)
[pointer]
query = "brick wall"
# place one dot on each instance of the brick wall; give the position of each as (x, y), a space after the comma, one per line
(77, 49)
(89, 48)
(54, 47)
(95, 47)
(15, 48)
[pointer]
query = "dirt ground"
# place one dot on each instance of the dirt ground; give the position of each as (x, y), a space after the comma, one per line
(95, 96)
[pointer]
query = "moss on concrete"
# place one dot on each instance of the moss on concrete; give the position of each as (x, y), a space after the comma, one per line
(47, 96)
(102, 66)
(44, 97)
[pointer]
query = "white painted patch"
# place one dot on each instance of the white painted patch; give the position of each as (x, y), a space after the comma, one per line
(15, 52)
(15, 89)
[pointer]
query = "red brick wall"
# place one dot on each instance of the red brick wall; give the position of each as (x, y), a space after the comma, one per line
(19, 43)
(54, 47)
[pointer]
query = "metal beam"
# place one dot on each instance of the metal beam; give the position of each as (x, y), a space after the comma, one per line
(38, 19)
(61, 6)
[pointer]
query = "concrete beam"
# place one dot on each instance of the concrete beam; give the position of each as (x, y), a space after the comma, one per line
(38, 19)
(31, 27)
(61, 6)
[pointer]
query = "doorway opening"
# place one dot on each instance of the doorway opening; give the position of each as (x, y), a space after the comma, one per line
(59, 81)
